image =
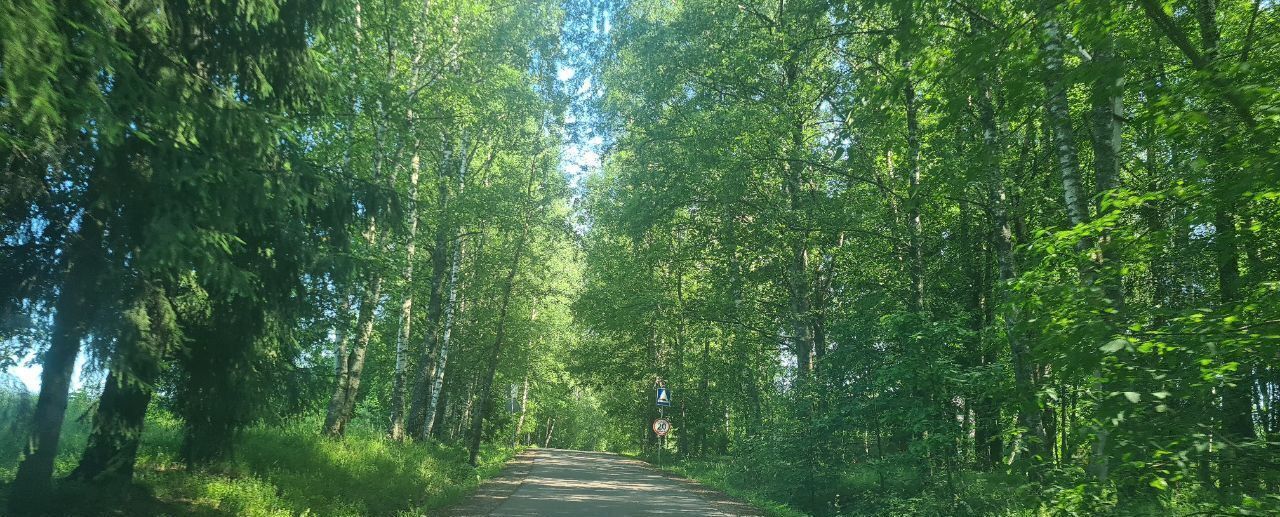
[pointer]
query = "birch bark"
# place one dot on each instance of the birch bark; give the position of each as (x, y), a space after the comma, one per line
(1029, 417)
(399, 377)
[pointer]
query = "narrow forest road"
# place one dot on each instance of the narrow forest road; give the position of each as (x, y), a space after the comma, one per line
(561, 482)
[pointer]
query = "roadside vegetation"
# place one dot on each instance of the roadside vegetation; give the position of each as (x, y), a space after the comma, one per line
(891, 257)
(281, 468)
(916, 257)
(307, 255)
(721, 476)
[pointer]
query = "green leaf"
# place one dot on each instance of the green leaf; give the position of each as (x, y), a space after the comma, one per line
(142, 135)
(1115, 345)
(1133, 396)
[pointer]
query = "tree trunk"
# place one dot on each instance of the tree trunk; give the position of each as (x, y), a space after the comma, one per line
(486, 382)
(117, 424)
(1107, 112)
(435, 407)
(84, 267)
(704, 416)
(682, 446)
(524, 401)
(984, 416)
(339, 365)
(1028, 414)
(427, 373)
(797, 273)
(57, 363)
(1237, 401)
(109, 457)
(802, 338)
(738, 330)
(399, 377)
(1058, 119)
(441, 403)
(464, 413)
(822, 296)
(432, 367)
(356, 367)
(915, 301)
(342, 403)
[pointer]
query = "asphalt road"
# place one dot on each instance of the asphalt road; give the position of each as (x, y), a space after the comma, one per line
(561, 482)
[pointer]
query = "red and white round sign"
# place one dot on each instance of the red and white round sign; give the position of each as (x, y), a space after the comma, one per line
(661, 426)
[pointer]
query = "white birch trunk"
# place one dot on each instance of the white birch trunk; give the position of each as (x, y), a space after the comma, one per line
(400, 377)
(437, 382)
(524, 400)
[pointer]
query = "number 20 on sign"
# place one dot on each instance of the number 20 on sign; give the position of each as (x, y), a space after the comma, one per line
(661, 427)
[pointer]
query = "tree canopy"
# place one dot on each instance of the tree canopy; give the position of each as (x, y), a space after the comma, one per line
(902, 257)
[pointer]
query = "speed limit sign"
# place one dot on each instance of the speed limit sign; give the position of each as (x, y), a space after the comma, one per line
(661, 426)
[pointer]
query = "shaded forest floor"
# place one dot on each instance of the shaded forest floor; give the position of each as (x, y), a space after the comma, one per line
(287, 469)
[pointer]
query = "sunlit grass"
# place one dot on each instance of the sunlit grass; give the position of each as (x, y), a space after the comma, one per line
(285, 469)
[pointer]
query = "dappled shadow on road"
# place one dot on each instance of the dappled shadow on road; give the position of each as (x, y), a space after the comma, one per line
(588, 483)
(495, 491)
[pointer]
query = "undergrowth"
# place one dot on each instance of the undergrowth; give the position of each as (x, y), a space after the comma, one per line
(287, 469)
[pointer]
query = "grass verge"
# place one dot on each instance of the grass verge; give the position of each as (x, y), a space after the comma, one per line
(718, 477)
(281, 470)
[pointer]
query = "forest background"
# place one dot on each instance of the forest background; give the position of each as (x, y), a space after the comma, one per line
(893, 257)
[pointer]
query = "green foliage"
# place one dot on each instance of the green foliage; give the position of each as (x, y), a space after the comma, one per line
(282, 469)
(898, 257)
(14, 436)
(881, 261)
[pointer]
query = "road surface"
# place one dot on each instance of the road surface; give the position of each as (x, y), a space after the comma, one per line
(550, 482)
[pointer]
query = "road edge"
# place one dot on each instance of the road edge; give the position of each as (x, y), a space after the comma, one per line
(496, 490)
(720, 500)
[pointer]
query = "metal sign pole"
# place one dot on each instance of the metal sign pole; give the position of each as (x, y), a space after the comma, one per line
(661, 426)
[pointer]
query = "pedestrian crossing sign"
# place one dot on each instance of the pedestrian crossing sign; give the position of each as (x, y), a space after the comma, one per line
(664, 397)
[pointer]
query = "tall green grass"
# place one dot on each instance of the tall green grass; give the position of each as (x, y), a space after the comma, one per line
(287, 469)
(855, 491)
